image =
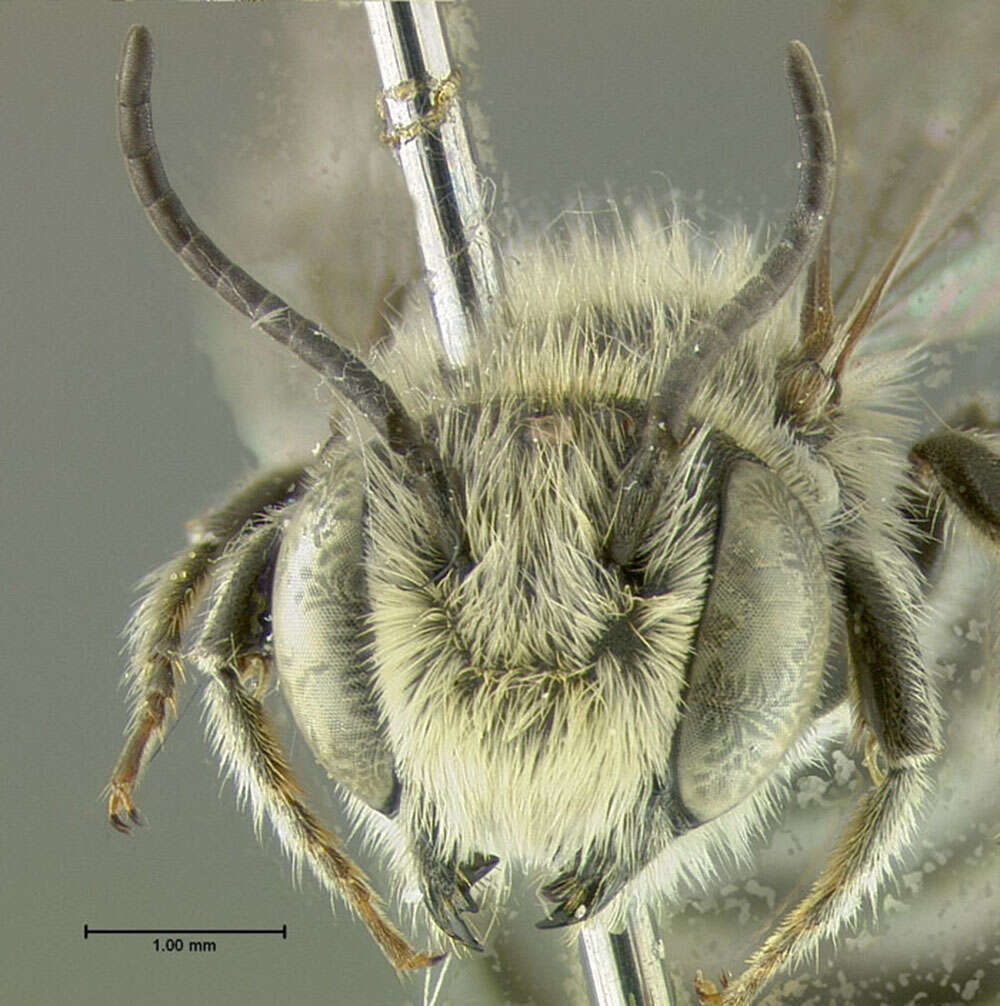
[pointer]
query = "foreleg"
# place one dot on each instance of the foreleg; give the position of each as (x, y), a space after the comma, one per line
(154, 633)
(963, 469)
(252, 753)
(894, 700)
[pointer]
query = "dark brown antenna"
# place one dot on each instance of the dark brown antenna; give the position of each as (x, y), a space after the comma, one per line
(688, 370)
(710, 340)
(344, 371)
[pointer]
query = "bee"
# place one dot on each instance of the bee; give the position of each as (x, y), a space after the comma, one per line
(583, 602)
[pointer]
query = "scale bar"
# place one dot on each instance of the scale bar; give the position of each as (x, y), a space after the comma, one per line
(282, 932)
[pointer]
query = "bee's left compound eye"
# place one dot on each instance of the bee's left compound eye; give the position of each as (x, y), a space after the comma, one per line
(320, 636)
(761, 644)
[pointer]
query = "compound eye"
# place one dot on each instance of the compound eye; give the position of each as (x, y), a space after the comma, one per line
(318, 613)
(760, 647)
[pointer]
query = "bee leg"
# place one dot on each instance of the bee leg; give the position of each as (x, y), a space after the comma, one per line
(447, 888)
(896, 702)
(581, 892)
(964, 467)
(171, 592)
(251, 750)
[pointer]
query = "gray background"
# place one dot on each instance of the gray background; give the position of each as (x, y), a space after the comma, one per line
(114, 435)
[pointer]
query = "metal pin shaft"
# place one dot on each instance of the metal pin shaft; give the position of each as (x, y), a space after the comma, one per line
(424, 124)
(625, 969)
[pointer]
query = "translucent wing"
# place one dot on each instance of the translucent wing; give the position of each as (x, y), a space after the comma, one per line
(915, 89)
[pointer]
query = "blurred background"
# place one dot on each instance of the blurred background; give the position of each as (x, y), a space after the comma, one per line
(116, 434)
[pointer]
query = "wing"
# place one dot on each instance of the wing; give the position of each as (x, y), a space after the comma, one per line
(915, 88)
